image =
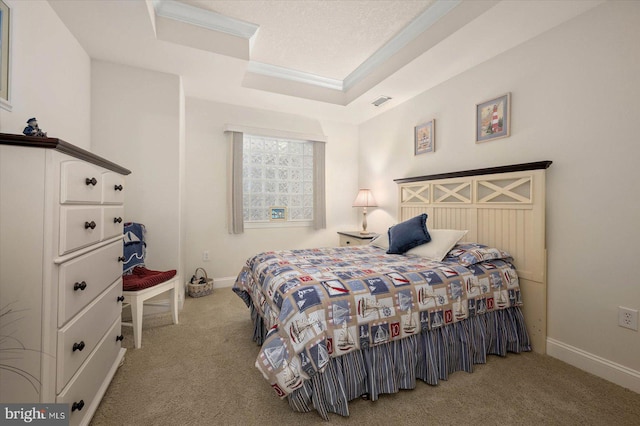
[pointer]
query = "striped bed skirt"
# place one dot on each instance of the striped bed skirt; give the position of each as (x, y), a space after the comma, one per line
(387, 368)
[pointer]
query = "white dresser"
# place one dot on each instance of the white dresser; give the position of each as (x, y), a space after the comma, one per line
(61, 220)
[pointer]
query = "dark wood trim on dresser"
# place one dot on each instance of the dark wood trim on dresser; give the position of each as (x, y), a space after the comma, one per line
(488, 171)
(63, 147)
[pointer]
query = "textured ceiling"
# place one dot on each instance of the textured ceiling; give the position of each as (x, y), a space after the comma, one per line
(329, 38)
(325, 38)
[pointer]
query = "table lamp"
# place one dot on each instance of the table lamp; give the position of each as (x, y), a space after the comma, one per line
(364, 199)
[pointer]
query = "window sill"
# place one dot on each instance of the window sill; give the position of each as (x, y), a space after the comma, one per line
(283, 224)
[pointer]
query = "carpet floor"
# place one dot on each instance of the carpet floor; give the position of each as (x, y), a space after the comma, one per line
(201, 372)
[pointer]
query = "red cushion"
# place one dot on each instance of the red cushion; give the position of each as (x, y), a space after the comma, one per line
(141, 278)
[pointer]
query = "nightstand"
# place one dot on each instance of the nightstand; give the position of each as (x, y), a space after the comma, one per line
(355, 238)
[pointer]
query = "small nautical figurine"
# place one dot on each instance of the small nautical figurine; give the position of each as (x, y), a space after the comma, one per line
(32, 129)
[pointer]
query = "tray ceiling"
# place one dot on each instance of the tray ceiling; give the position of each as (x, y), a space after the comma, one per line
(323, 58)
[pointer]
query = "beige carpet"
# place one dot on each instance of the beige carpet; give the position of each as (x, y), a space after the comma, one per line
(201, 372)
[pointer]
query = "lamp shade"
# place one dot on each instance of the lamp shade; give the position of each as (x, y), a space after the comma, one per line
(365, 199)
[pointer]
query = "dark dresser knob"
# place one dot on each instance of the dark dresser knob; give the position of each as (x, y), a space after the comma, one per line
(77, 405)
(91, 225)
(91, 181)
(121, 259)
(120, 298)
(118, 187)
(117, 220)
(119, 338)
(79, 286)
(78, 346)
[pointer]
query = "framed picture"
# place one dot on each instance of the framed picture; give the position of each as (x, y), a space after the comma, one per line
(425, 138)
(278, 214)
(4, 54)
(493, 118)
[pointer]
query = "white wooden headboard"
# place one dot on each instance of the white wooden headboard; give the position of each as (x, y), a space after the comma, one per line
(503, 207)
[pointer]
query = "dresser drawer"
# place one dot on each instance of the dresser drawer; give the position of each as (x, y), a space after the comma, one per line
(112, 188)
(82, 279)
(80, 182)
(112, 221)
(79, 227)
(85, 331)
(84, 386)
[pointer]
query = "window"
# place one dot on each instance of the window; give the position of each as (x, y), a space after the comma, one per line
(275, 180)
(277, 173)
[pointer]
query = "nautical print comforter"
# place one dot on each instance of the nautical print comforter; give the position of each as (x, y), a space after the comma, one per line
(322, 303)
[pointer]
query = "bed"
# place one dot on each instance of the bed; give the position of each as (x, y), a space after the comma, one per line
(341, 323)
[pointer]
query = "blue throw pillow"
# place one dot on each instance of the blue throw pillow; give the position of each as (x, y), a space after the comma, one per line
(408, 234)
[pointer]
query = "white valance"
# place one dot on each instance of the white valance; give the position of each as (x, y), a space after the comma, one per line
(274, 133)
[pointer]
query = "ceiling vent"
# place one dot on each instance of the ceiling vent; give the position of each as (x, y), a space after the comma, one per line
(380, 100)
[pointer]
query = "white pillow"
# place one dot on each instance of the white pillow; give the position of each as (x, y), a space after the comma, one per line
(442, 240)
(381, 241)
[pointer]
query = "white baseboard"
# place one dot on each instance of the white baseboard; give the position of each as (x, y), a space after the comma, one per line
(608, 370)
(224, 282)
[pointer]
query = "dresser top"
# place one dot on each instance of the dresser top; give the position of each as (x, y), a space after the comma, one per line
(60, 146)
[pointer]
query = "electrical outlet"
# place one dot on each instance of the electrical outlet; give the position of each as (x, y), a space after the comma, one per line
(628, 318)
(205, 255)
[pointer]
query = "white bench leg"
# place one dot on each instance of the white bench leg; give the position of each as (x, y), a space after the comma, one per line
(136, 319)
(174, 303)
(136, 301)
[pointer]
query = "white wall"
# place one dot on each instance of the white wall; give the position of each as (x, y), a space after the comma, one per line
(575, 92)
(136, 123)
(49, 75)
(206, 176)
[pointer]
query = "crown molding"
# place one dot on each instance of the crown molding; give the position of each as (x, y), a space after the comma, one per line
(423, 22)
(204, 18)
(294, 75)
(214, 21)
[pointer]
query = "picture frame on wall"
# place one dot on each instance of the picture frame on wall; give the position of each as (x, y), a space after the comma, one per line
(425, 137)
(277, 214)
(493, 118)
(4, 54)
